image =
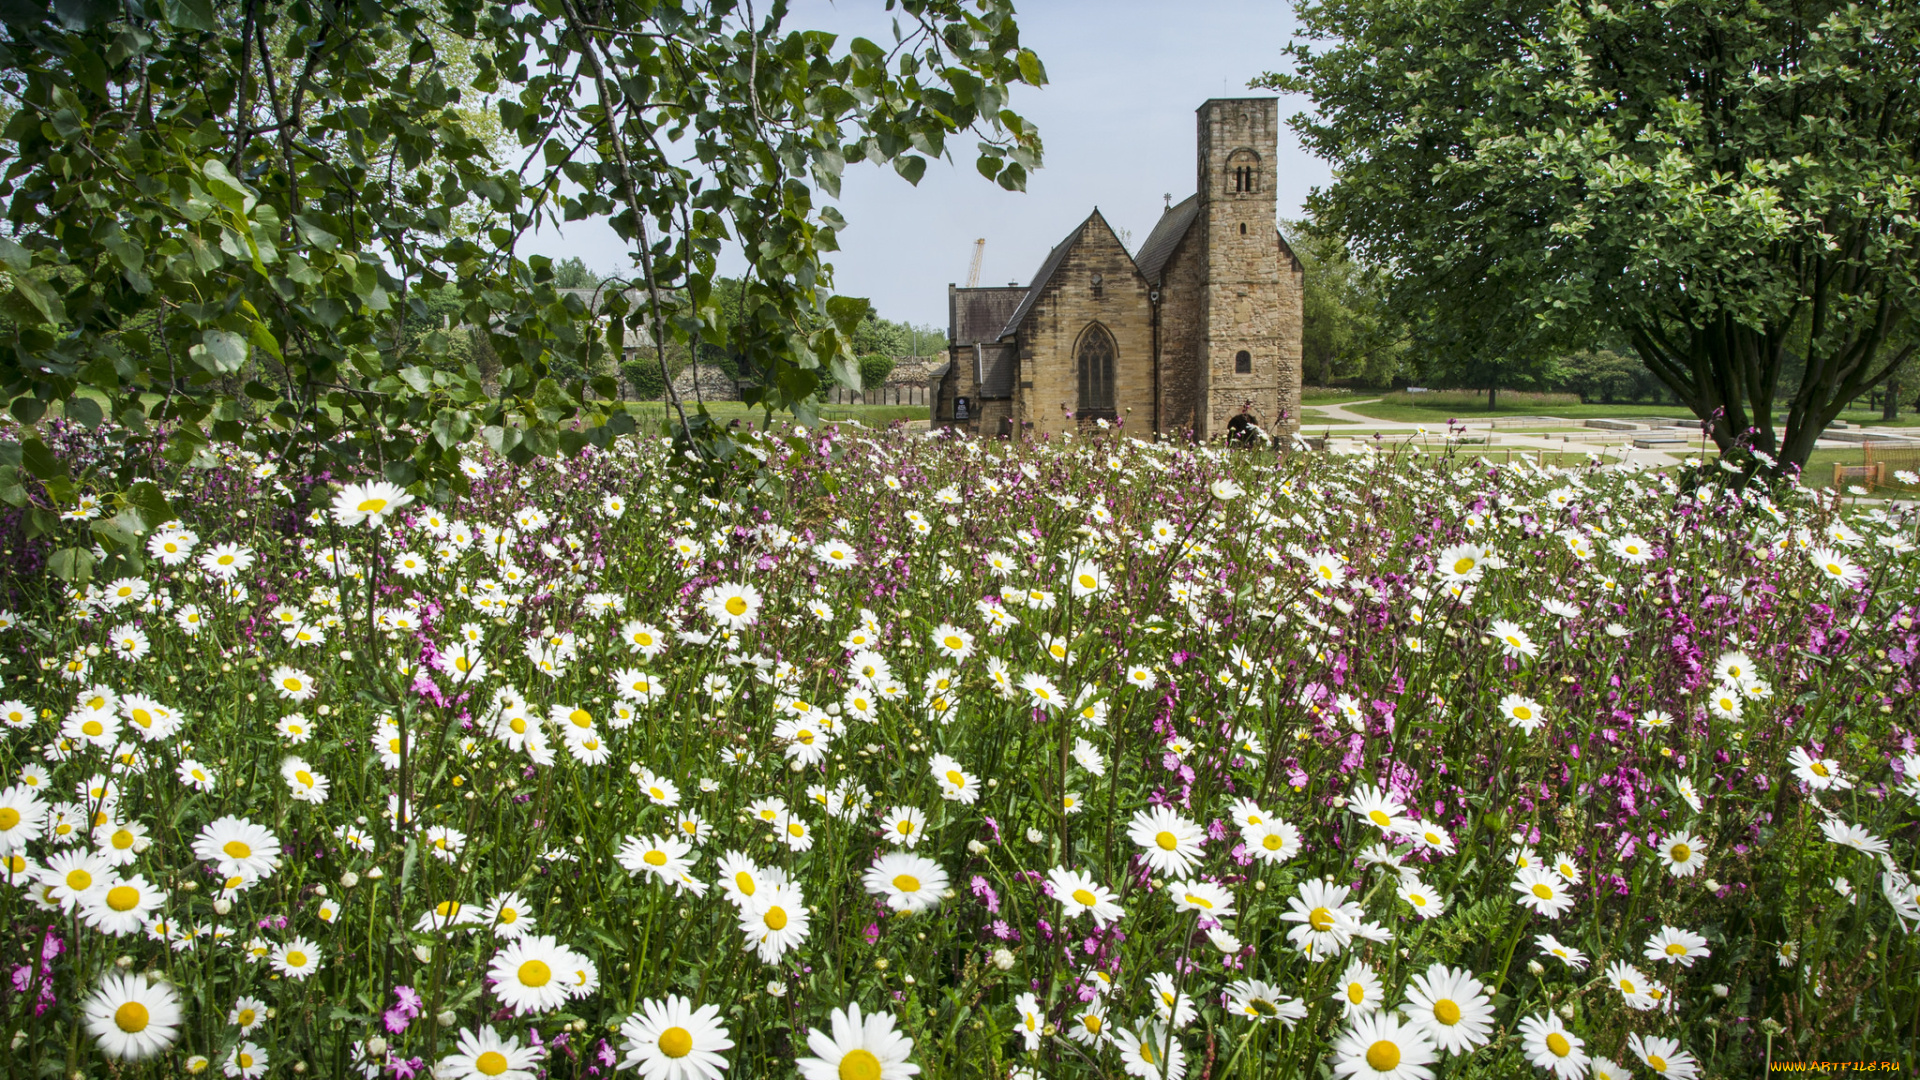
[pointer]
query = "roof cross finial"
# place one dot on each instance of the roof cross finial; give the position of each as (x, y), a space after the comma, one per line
(1169, 198)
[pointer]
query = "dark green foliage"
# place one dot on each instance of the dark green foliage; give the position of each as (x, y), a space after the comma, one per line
(874, 369)
(1726, 186)
(268, 223)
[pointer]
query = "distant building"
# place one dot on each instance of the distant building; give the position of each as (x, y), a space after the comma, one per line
(1201, 325)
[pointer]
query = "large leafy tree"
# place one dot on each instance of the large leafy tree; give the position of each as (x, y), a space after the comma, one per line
(1728, 185)
(252, 220)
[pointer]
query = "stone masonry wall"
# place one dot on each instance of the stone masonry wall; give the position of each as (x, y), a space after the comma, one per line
(1049, 386)
(1182, 335)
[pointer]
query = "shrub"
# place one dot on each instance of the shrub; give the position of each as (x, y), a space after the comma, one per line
(874, 369)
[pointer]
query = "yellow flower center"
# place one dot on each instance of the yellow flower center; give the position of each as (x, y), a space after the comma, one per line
(796, 829)
(123, 897)
(1320, 919)
(580, 718)
(1558, 1043)
(676, 1042)
(9, 818)
(1543, 891)
(1084, 898)
(1819, 770)
(79, 880)
(371, 506)
(744, 882)
(907, 883)
(654, 858)
(1446, 1011)
(1463, 566)
(956, 778)
(1166, 840)
(775, 918)
(1379, 817)
(305, 777)
(535, 973)
(491, 1063)
(1088, 581)
(244, 1018)
(237, 849)
(1656, 1063)
(1680, 852)
(296, 959)
(131, 1018)
(860, 1065)
(1356, 992)
(1272, 842)
(1200, 901)
(518, 725)
(1676, 949)
(92, 728)
(905, 827)
(1383, 1056)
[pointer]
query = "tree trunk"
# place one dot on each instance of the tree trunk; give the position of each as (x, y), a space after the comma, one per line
(1490, 398)
(1890, 408)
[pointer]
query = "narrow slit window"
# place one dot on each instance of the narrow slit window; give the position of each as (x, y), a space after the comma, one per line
(1243, 360)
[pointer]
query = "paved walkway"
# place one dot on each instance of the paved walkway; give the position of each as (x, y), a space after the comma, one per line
(1342, 414)
(1498, 443)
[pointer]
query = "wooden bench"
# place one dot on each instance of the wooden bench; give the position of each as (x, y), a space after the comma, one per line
(1869, 475)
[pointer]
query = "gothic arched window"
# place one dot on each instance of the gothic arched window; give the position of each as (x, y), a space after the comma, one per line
(1094, 358)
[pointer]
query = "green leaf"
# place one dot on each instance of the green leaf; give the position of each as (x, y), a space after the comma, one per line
(122, 530)
(191, 14)
(910, 166)
(84, 411)
(846, 372)
(74, 564)
(237, 195)
(1032, 72)
(220, 351)
(152, 504)
(43, 297)
(316, 235)
(847, 312)
(14, 257)
(39, 461)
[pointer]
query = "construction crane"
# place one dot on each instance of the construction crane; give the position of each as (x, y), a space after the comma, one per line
(973, 272)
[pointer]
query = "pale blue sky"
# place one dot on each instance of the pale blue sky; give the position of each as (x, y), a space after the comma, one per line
(1117, 119)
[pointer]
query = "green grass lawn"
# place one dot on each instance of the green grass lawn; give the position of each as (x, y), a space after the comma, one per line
(1329, 395)
(1440, 414)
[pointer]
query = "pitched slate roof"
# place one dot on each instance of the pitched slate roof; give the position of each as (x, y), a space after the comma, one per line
(976, 315)
(1158, 247)
(1048, 268)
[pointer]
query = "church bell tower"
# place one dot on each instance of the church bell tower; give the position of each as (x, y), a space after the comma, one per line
(1249, 347)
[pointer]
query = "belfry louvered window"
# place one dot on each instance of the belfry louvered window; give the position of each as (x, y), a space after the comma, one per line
(1095, 358)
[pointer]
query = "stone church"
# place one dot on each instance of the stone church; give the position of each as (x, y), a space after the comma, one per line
(1200, 325)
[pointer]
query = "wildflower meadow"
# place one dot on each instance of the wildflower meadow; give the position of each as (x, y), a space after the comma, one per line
(1085, 757)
